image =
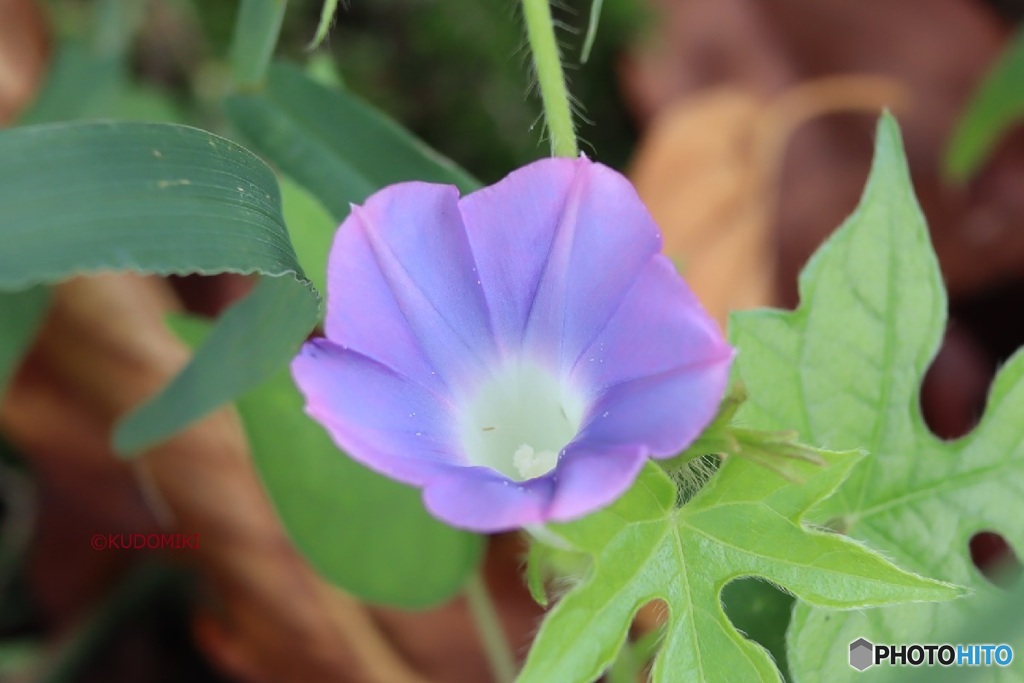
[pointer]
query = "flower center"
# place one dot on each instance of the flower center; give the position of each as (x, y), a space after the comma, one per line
(519, 421)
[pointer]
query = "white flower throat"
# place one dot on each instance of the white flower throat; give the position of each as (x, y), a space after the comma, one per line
(519, 421)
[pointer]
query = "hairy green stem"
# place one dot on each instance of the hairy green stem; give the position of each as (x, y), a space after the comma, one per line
(540, 31)
(496, 647)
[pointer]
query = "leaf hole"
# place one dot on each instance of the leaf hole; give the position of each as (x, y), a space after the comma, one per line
(955, 388)
(995, 559)
(760, 610)
(645, 636)
(984, 332)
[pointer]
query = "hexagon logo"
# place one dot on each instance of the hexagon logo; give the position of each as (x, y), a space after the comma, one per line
(861, 654)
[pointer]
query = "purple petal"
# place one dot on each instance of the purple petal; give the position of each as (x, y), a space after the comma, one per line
(591, 475)
(480, 499)
(558, 244)
(384, 420)
(403, 287)
(663, 412)
(511, 227)
(659, 325)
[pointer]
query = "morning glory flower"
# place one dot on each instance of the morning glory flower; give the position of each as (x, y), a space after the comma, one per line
(517, 353)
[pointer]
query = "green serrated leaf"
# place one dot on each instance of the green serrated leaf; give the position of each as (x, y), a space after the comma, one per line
(311, 228)
(745, 522)
(845, 369)
(158, 198)
(997, 104)
(336, 146)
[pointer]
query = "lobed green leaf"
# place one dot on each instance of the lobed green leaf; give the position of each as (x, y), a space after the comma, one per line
(745, 522)
(845, 369)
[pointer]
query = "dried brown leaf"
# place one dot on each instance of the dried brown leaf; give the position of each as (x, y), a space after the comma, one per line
(23, 53)
(105, 348)
(708, 169)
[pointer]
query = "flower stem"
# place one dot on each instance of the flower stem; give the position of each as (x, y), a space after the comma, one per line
(540, 31)
(496, 647)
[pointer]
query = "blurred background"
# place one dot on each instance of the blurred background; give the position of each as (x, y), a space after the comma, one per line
(747, 127)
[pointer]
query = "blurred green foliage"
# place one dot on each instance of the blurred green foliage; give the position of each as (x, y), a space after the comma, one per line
(456, 72)
(996, 106)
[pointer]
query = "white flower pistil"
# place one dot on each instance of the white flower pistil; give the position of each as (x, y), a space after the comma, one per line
(531, 464)
(519, 421)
